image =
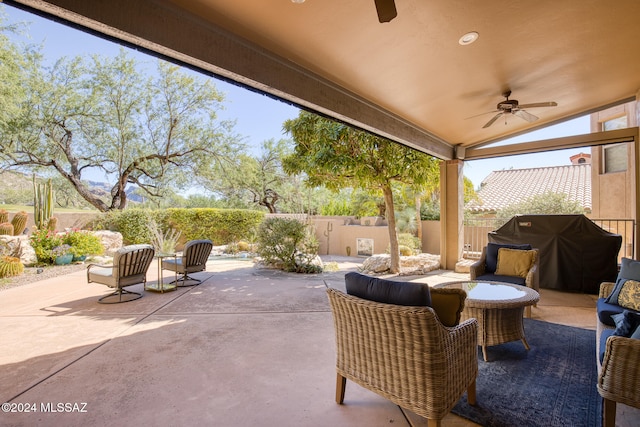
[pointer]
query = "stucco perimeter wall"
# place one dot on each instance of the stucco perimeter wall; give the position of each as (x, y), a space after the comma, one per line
(431, 237)
(335, 235)
(65, 220)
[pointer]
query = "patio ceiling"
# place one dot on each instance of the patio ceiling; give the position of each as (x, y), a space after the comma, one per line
(409, 79)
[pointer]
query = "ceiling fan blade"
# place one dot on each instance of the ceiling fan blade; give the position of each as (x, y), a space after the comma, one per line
(386, 10)
(539, 104)
(483, 114)
(493, 119)
(524, 115)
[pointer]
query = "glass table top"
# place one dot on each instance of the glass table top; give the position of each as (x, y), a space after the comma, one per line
(491, 291)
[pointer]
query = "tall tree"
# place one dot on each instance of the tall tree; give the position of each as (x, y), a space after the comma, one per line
(259, 180)
(338, 156)
(104, 115)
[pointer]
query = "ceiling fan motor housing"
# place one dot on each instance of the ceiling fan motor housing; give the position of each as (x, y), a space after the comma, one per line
(508, 105)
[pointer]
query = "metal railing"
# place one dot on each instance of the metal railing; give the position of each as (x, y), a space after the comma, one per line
(476, 231)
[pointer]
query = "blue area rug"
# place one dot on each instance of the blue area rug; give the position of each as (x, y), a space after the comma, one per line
(553, 384)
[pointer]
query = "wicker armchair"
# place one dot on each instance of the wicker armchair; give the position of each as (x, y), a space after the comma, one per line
(619, 372)
(404, 354)
(129, 267)
(477, 272)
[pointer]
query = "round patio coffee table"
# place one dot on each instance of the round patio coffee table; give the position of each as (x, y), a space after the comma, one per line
(499, 309)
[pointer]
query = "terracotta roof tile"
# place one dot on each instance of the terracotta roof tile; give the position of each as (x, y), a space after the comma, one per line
(506, 187)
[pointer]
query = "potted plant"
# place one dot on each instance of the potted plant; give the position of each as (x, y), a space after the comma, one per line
(83, 244)
(62, 254)
(43, 242)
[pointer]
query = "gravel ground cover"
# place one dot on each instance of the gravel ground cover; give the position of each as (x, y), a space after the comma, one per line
(35, 274)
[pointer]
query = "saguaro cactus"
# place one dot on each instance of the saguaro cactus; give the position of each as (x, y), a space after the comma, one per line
(42, 203)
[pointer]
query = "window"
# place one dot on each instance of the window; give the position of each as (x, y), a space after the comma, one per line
(617, 123)
(614, 158)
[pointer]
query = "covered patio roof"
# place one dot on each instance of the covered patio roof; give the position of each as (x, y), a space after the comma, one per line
(409, 79)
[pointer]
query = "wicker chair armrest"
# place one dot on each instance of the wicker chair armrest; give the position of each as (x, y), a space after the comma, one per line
(605, 289)
(532, 280)
(476, 269)
(619, 377)
(462, 344)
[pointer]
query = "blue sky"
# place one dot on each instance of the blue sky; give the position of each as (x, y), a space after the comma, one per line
(258, 117)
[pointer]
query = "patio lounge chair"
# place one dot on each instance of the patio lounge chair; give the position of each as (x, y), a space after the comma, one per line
(194, 258)
(405, 353)
(129, 267)
(486, 268)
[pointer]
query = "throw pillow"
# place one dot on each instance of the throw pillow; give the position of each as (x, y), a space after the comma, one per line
(387, 291)
(448, 304)
(514, 262)
(491, 259)
(626, 323)
(629, 296)
(629, 270)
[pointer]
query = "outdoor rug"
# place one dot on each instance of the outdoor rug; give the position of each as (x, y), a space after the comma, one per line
(553, 384)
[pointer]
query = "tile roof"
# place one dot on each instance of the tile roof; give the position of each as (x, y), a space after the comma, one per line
(506, 187)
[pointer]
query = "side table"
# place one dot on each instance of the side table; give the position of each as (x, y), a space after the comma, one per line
(498, 307)
(160, 286)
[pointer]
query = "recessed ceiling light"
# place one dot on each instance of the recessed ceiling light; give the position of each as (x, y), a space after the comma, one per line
(297, 1)
(468, 38)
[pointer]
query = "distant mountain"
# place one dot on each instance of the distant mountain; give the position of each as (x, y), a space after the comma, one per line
(103, 189)
(17, 188)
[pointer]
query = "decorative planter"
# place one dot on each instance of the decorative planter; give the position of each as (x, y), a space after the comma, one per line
(79, 258)
(63, 259)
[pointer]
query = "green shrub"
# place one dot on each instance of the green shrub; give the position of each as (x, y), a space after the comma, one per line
(43, 242)
(83, 243)
(405, 250)
(408, 244)
(288, 244)
(221, 226)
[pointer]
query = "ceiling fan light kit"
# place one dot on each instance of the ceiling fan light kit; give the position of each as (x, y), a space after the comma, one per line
(511, 106)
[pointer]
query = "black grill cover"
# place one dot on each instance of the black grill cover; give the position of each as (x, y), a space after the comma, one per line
(575, 254)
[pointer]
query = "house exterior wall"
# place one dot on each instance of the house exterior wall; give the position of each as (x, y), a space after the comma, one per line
(613, 193)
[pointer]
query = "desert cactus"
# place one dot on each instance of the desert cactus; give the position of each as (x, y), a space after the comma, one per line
(4, 216)
(42, 203)
(19, 222)
(10, 266)
(6, 229)
(52, 223)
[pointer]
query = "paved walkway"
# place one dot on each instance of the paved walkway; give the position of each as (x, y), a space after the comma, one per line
(246, 347)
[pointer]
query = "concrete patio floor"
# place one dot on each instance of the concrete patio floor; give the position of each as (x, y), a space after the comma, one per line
(248, 346)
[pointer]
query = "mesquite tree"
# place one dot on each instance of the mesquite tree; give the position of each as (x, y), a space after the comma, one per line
(338, 156)
(102, 114)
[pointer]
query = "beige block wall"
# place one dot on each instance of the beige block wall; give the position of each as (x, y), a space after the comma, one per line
(335, 236)
(65, 220)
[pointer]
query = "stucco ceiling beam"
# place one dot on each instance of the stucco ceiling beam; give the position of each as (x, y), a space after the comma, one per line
(576, 141)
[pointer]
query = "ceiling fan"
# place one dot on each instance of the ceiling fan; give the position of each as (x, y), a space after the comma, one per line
(511, 106)
(386, 10)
